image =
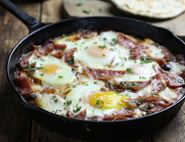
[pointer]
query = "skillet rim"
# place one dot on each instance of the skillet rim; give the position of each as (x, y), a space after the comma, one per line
(63, 118)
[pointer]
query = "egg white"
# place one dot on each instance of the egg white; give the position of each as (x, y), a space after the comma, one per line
(51, 103)
(168, 95)
(114, 52)
(61, 76)
(139, 71)
(176, 67)
(79, 97)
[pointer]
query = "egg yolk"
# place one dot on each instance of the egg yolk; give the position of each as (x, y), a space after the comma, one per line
(107, 100)
(97, 51)
(49, 68)
(73, 38)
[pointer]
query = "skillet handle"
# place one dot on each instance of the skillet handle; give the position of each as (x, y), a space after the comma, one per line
(31, 23)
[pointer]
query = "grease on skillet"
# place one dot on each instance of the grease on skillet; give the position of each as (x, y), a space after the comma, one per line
(101, 76)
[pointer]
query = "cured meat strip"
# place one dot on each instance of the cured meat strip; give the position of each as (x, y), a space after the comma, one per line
(86, 34)
(69, 56)
(135, 49)
(124, 41)
(23, 82)
(102, 74)
(123, 114)
(173, 80)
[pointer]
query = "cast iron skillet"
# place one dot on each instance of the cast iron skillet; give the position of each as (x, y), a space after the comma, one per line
(40, 33)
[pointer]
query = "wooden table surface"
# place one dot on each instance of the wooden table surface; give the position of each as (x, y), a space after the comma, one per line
(14, 125)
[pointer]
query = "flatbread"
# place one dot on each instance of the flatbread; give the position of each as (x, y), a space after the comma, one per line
(152, 8)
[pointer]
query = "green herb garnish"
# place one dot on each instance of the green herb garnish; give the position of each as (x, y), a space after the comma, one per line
(127, 95)
(141, 100)
(54, 99)
(41, 74)
(114, 41)
(99, 103)
(102, 46)
(78, 108)
(145, 60)
(132, 84)
(104, 38)
(86, 11)
(112, 49)
(116, 64)
(78, 4)
(129, 70)
(100, 10)
(142, 77)
(67, 103)
(31, 68)
(60, 77)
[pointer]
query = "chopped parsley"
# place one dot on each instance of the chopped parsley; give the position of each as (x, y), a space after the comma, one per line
(78, 4)
(54, 99)
(56, 111)
(78, 108)
(132, 84)
(100, 10)
(86, 11)
(145, 60)
(31, 68)
(142, 77)
(141, 100)
(41, 74)
(99, 103)
(95, 82)
(67, 103)
(104, 38)
(127, 95)
(102, 46)
(112, 49)
(129, 70)
(114, 41)
(116, 64)
(60, 77)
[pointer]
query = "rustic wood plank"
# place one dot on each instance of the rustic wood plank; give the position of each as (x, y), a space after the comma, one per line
(41, 134)
(51, 11)
(80, 8)
(175, 25)
(174, 131)
(14, 125)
